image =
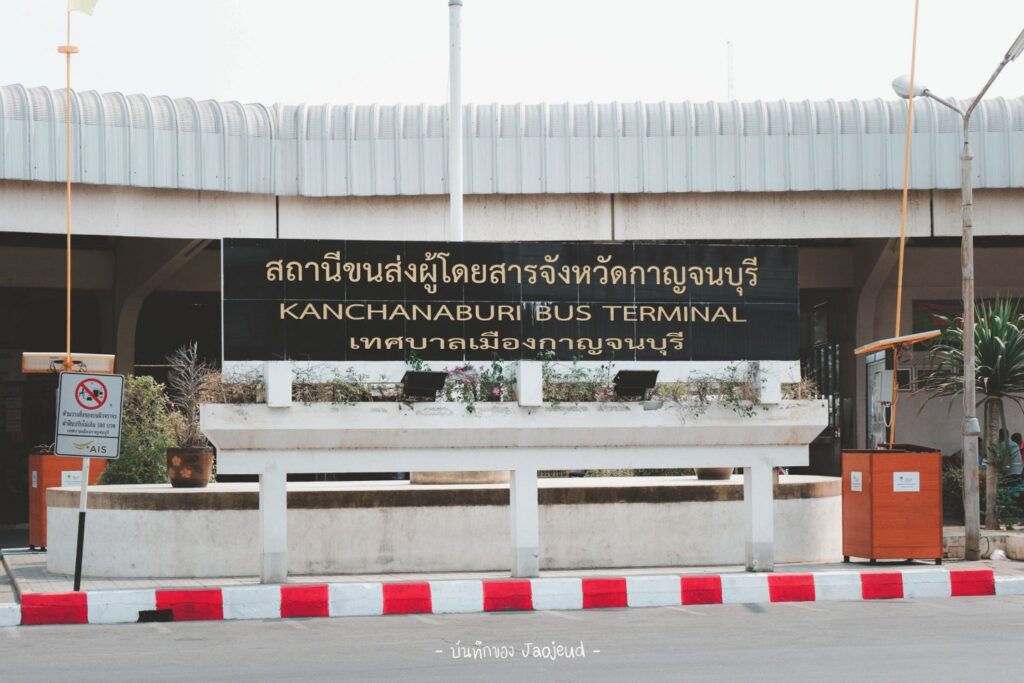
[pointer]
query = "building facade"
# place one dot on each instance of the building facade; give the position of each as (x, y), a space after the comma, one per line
(160, 181)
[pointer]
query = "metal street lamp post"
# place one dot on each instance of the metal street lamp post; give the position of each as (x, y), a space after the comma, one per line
(970, 428)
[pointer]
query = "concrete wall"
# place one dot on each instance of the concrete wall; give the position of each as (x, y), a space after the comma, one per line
(341, 540)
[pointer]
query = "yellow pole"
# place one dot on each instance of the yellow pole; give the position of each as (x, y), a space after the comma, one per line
(903, 228)
(68, 49)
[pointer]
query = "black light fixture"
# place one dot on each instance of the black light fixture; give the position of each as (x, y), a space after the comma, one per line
(634, 383)
(423, 383)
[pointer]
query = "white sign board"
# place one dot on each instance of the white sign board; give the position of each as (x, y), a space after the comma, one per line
(906, 482)
(89, 415)
(856, 481)
(71, 478)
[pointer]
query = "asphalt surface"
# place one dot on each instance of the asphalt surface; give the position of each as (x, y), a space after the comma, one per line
(921, 640)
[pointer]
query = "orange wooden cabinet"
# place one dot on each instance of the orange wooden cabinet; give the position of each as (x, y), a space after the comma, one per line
(892, 504)
(50, 471)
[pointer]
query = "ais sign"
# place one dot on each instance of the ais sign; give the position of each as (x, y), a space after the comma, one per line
(362, 300)
(89, 415)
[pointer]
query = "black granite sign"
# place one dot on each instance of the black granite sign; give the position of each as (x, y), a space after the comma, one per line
(336, 300)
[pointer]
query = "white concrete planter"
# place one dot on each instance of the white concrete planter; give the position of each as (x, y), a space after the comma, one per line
(380, 437)
(418, 427)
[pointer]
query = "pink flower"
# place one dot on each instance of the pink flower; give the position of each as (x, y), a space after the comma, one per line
(495, 391)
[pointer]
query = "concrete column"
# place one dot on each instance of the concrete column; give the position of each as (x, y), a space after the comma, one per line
(530, 383)
(277, 378)
(770, 380)
(273, 527)
(758, 501)
(142, 265)
(524, 508)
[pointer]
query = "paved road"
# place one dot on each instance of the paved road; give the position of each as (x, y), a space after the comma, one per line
(924, 640)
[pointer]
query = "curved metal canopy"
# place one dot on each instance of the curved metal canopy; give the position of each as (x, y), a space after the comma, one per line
(339, 150)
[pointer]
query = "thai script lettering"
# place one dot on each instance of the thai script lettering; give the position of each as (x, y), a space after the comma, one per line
(435, 269)
(493, 341)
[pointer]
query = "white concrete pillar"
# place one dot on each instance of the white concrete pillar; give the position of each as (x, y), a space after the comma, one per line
(530, 383)
(524, 508)
(770, 379)
(759, 510)
(273, 527)
(277, 378)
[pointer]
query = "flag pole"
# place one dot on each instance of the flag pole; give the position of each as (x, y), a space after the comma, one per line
(455, 119)
(67, 50)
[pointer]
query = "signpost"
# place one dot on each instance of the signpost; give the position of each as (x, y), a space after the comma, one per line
(88, 426)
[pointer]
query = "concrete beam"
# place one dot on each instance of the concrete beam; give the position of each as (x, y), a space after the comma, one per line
(488, 217)
(135, 212)
(756, 215)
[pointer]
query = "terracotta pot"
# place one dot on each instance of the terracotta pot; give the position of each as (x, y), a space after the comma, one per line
(189, 467)
(714, 473)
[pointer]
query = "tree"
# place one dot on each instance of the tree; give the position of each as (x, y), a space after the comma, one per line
(147, 430)
(999, 372)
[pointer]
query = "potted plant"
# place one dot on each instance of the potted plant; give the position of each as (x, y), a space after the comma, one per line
(734, 389)
(190, 461)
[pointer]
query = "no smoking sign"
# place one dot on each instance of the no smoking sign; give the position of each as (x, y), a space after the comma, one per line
(89, 415)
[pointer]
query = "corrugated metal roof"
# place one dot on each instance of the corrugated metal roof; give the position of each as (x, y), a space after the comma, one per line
(338, 150)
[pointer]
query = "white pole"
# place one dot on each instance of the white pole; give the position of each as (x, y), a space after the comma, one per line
(455, 118)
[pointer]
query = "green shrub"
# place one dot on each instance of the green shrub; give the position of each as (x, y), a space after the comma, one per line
(147, 431)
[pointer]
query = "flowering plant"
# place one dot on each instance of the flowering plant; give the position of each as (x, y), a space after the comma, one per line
(468, 384)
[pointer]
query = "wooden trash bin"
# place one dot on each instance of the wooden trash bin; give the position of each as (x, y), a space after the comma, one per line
(50, 471)
(892, 503)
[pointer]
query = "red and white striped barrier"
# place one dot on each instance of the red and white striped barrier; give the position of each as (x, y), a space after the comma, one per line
(466, 596)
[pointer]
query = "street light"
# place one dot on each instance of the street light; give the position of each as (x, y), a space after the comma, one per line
(970, 429)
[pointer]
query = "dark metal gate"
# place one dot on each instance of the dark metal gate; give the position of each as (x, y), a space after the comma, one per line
(821, 366)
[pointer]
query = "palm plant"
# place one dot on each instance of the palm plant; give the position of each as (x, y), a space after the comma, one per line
(999, 372)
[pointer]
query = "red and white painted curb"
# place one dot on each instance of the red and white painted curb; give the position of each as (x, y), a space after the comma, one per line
(467, 596)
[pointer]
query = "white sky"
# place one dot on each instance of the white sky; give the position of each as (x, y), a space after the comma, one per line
(390, 51)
